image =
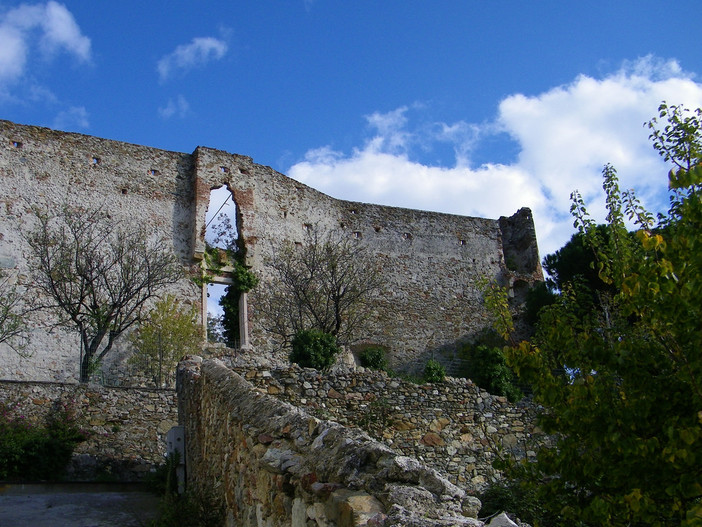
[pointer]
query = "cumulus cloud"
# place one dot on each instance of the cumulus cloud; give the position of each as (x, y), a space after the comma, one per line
(178, 107)
(564, 137)
(44, 28)
(197, 53)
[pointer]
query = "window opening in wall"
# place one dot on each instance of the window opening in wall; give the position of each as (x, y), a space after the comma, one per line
(357, 235)
(224, 249)
(17, 144)
(96, 161)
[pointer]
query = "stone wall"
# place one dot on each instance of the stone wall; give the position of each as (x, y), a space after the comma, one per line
(47, 170)
(126, 427)
(453, 426)
(430, 262)
(273, 464)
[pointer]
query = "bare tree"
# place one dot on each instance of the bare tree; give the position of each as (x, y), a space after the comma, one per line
(326, 284)
(97, 274)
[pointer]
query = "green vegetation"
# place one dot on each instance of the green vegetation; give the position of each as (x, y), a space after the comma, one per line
(618, 368)
(486, 366)
(434, 371)
(97, 274)
(373, 357)
(312, 348)
(170, 332)
(37, 452)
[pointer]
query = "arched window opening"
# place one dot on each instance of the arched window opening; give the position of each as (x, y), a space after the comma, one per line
(224, 300)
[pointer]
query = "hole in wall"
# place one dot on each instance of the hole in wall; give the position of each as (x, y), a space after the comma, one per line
(153, 172)
(96, 161)
(357, 235)
(124, 191)
(17, 144)
(222, 232)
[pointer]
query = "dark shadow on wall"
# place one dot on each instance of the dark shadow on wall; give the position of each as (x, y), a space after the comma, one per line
(184, 210)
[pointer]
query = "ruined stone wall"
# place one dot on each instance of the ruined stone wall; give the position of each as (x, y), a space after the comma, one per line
(453, 426)
(126, 427)
(430, 262)
(273, 464)
(45, 169)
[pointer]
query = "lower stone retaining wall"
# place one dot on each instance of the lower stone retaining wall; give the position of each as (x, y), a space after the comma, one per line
(453, 426)
(274, 464)
(127, 427)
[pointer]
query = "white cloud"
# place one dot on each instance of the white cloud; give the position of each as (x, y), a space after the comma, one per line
(73, 118)
(178, 107)
(49, 27)
(188, 56)
(564, 136)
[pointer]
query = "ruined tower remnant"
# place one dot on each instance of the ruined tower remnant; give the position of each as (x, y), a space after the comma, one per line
(431, 263)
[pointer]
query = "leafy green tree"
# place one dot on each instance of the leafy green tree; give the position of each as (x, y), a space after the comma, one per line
(170, 332)
(620, 375)
(572, 264)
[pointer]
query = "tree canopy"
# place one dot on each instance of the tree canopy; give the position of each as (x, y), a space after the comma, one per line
(619, 372)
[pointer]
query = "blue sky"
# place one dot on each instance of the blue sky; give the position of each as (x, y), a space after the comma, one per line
(466, 107)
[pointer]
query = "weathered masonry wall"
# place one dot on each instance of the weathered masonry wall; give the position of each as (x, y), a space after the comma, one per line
(126, 427)
(430, 262)
(453, 426)
(46, 169)
(273, 464)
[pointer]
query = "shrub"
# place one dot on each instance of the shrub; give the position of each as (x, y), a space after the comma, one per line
(434, 371)
(486, 367)
(373, 357)
(312, 348)
(32, 452)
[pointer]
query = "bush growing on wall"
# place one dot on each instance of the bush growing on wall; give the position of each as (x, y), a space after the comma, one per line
(312, 348)
(434, 371)
(373, 357)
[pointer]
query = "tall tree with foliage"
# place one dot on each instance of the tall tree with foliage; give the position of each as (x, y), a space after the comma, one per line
(97, 275)
(620, 374)
(170, 331)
